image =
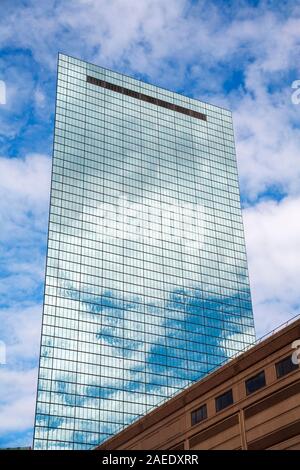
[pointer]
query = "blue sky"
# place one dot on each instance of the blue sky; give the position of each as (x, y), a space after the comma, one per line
(243, 55)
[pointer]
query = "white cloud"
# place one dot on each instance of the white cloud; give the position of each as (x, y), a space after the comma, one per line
(267, 140)
(19, 86)
(21, 329)
(40, 99)
(2, 92)
(17, 405)
(26, 179)
(273, 242)
(24, 193)
(18, 377)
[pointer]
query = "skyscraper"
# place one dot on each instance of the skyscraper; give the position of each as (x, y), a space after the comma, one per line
(146, 280)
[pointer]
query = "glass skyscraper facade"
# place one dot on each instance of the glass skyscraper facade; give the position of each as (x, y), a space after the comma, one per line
(146, 285)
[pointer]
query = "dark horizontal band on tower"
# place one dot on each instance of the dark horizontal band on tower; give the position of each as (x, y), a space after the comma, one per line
(147, 98)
